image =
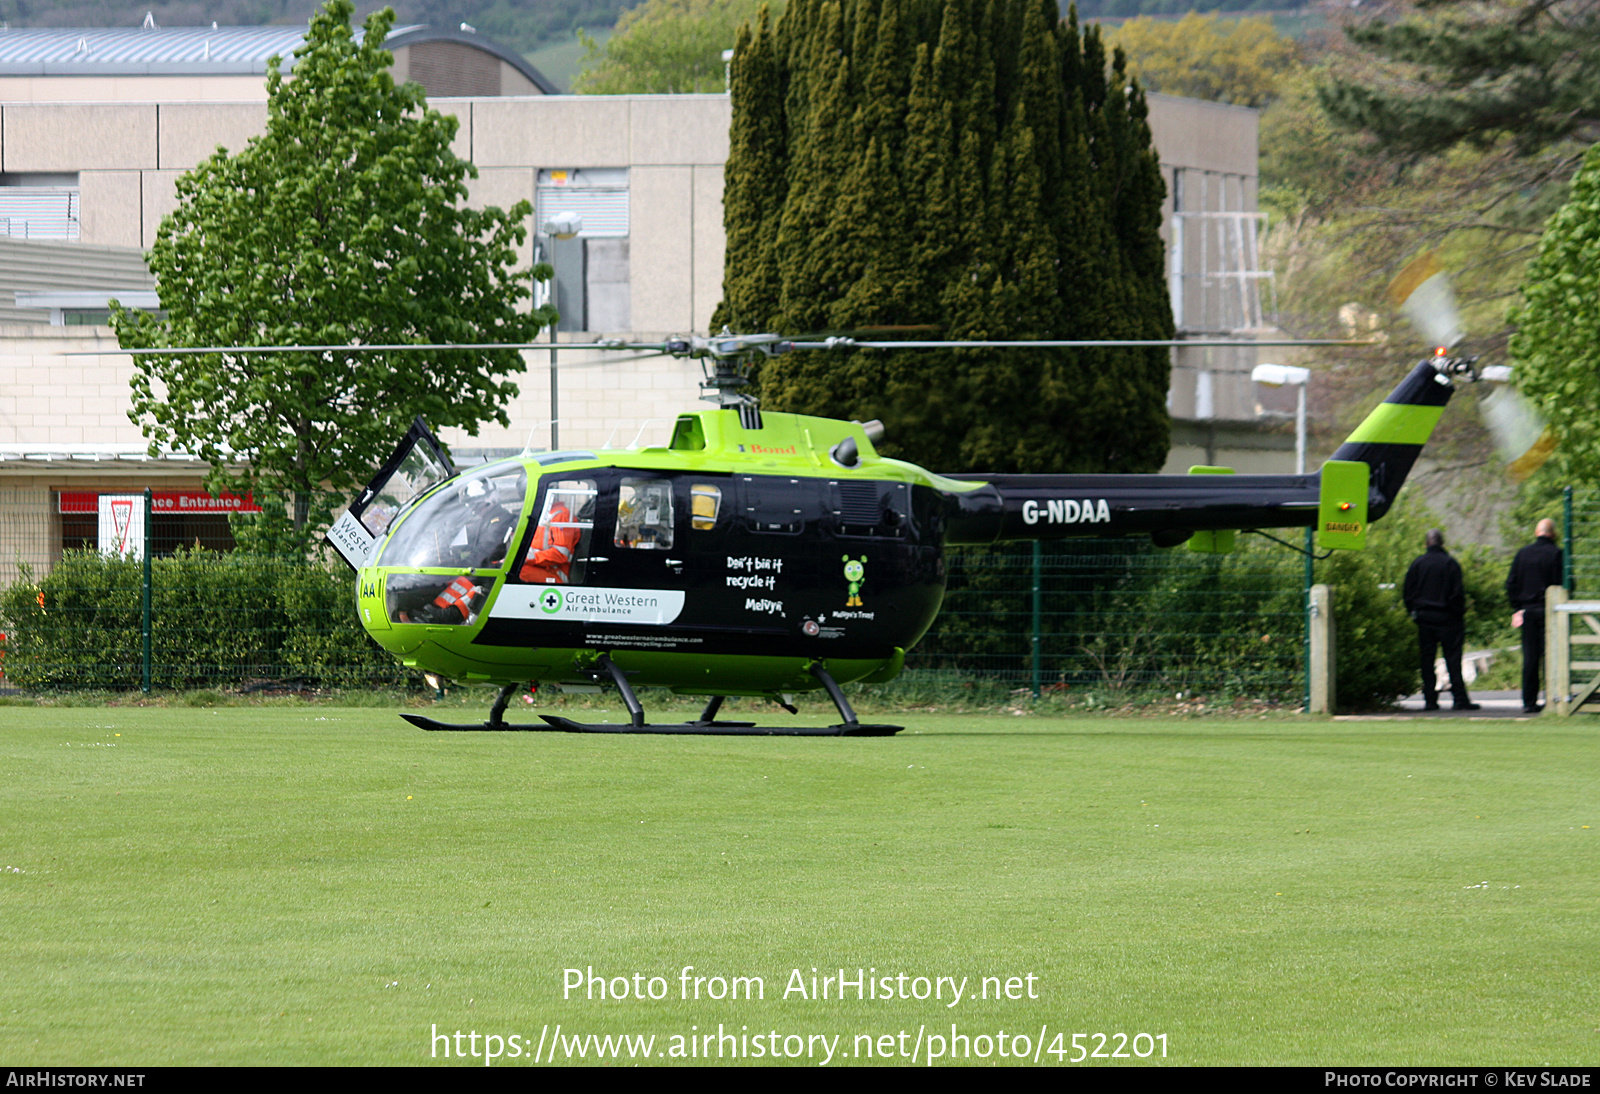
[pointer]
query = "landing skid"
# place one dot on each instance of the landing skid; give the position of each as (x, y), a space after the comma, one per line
(705, 725)
(710, 729)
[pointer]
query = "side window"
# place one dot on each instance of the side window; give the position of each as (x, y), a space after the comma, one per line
(559, 542)
(644, 514)
(705, 502)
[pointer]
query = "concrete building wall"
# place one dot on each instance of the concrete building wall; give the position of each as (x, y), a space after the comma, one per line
(189, 133)
(78, 136)
(128, 158)
(1208, 161)
(124, 89)
(1205, 135)
(64, 427)
(49, 398)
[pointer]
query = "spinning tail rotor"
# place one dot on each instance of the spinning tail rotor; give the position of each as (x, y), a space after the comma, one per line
(1423, 293)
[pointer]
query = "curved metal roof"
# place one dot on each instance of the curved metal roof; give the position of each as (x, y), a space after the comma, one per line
(407, 36)
(196, 51)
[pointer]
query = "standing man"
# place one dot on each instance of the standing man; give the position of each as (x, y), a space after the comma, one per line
(1437, 600)
(1536, 567)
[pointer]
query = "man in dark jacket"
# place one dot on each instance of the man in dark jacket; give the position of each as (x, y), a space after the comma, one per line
(1536, 567)
(1437, 600)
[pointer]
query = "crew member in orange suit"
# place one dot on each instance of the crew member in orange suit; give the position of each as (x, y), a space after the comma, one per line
(550, 555)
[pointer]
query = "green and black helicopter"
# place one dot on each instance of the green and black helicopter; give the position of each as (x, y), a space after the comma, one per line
(763, 554)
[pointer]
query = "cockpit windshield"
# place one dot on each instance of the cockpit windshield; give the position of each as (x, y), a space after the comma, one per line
(466, 523)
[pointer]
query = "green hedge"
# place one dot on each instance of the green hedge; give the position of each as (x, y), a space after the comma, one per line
(217, 620)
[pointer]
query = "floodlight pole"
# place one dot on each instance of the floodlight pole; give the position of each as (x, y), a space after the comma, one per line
(1300, 429)
(560, 226)
(1299, 379)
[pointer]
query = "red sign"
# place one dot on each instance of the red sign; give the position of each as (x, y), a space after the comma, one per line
(165, 501)
(198, 501)
(78, 501)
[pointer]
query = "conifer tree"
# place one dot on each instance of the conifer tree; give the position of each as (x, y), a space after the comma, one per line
(1473, 72)
(960, 169)
(753, 198)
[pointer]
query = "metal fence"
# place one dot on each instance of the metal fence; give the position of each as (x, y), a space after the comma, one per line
(1120, 615)
(1115, 616)
(191, 615)
(1581, 540)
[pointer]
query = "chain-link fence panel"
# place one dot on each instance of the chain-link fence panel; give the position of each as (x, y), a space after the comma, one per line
(1121, 615)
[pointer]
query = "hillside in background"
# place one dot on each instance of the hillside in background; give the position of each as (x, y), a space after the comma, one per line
(1127, 9)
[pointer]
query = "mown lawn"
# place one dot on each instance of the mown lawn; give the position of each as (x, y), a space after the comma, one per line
(313, 884)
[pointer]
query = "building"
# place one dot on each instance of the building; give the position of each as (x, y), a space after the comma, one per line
(93, 140)
(228, 64)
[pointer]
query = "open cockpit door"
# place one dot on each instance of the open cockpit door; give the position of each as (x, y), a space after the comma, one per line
(417, 464)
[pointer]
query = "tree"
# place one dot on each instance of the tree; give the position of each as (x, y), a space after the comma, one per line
(1476, 117)
(1388, 148)
(1457, 71)
(342, 224)
(665, 46)
(971, 170)
(1202, 57)
(1557, 344)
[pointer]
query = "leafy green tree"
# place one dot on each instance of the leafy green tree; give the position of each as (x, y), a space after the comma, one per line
(1557, 344)
(342, 224)
(1239, 61)
(665, 46)
(1350, 203)
(955, 169)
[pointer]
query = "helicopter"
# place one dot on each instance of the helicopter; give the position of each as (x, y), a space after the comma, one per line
(762, 554)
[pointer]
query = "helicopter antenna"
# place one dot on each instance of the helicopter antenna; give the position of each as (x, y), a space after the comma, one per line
(648, 422)
(527, 449)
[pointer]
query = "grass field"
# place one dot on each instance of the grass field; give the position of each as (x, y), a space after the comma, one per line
(314, 884)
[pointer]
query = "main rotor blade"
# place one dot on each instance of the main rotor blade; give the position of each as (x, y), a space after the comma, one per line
(1084, 343)
(655, 348)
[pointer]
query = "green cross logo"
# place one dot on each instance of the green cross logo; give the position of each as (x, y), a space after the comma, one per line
(550, 601)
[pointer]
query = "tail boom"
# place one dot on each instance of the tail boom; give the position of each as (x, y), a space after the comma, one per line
(1171, 507)
(1019, 507)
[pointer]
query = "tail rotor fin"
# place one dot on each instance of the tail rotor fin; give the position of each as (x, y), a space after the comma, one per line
(1392, 436)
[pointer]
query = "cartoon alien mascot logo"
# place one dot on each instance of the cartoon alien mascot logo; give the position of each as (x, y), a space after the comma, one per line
(854, 572)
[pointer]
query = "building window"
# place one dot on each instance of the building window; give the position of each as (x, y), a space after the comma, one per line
(39, 205)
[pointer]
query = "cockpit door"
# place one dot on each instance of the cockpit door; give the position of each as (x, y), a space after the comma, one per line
(417, 464)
